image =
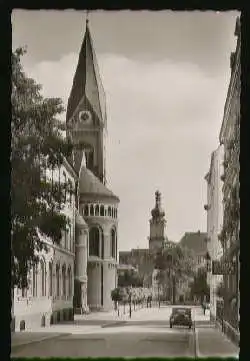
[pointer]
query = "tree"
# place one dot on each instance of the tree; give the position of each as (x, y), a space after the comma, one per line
(174, 263)
(36, 146)
(117, 295)
(199, 286)
(130, 278)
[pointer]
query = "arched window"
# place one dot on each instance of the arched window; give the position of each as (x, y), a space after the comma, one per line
(86, 210)
(64, 280)
(43, 278)
(94, 240)
(58, 280)
(69, 282)
(34, 281)
(91, 210)
(113, 243)
(102, 210)
(50, 279)
(109, 211)
(97, 210)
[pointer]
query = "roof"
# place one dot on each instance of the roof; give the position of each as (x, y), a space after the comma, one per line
(124, 267)
(87, 82)
(90, 184)
(80, 221)
(195, 241)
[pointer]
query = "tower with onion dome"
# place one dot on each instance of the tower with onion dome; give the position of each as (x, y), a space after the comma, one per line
(157, 237)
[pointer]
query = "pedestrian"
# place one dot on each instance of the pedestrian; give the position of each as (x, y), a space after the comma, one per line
(204, 308)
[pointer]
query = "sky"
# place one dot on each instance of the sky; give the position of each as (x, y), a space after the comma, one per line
(166, 76)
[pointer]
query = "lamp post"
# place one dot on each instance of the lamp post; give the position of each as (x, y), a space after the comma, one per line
(208, 266)
(130, 296)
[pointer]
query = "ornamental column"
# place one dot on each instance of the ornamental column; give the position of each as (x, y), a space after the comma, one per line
(81, 260)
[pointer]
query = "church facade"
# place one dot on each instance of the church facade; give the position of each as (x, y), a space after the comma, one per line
(79, 274)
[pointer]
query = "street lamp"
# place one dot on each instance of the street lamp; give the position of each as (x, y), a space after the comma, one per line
(208, 262)
(130, 295)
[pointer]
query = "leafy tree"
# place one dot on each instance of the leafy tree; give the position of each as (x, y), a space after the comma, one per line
(130, 278)
(36, 145)
(117, 295)
(199, 286)
(174, 263)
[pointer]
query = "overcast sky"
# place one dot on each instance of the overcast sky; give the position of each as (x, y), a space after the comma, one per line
(166, 76)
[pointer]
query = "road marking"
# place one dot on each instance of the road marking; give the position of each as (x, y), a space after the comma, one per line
(196, 344)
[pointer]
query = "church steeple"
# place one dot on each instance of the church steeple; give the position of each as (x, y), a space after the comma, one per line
(87, 81)
(157, 211)
(157, 236)
(86, 121)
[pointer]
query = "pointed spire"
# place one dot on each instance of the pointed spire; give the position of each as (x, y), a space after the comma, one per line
(157, 199)
(87, 84)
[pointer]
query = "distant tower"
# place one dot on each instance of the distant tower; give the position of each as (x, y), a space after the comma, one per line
(158, 222)
(86, 122)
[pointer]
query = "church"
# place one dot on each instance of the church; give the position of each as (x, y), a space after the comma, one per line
(143, 259)
(78, 275)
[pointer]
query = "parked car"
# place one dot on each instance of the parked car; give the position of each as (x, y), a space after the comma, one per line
(181, 316)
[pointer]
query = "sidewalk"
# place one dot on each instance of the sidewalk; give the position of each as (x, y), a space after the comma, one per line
(25, 338)
(210, 342)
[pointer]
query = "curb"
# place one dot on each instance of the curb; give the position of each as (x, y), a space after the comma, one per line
(39, 340)
(113, 324)
(196, 342)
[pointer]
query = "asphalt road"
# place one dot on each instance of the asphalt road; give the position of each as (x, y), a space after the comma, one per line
(140, 339)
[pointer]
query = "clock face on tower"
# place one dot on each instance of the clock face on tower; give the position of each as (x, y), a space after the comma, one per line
(85, 117)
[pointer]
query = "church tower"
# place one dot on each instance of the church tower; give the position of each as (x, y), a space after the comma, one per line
(158, 222)
(86, 123)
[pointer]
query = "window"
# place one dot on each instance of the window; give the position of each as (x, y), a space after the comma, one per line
(24, 292)
(113, 243)
(91, 210)
(69, 282)
(102, 210)
(50, 279)
(43, 278)
(94, 239)
(97, 210)
(109, 211)
(102, 235)
(57, 280)
(64, 280)
(67, 241)
(70, 191)
(90, 159)
(34, 281)
(70, 237)
(86, 210)
(65, 185)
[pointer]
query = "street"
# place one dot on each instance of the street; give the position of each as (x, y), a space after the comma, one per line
(147, 334)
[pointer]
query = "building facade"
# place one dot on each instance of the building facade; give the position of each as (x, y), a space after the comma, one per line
(214, 208)
(49, 296)
(79, 274)
(230, 138)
